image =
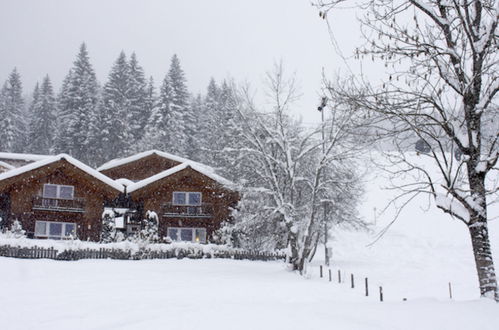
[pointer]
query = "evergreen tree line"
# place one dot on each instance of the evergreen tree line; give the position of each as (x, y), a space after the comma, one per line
(126, 115)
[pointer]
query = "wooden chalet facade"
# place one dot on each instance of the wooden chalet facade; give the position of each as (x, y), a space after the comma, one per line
(57, 197)
(190, 200)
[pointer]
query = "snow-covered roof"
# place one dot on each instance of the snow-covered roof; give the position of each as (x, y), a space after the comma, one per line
(7, 166)
(201, 169)
(52, 159)
(122, 161)
(25, 157)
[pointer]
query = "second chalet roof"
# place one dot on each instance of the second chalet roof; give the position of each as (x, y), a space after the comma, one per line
(122, 161)
(6, 165)
(18, 159)
(52, 159)
(195, 166)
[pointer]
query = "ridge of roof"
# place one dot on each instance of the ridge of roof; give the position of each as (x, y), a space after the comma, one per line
(201, 169)
(122, 161)
(52, 159)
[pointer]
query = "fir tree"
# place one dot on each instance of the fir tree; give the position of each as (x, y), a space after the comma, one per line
(13, 125)
(137, 95)
(114, 116)
(43, 112)
(180, 119)
(79, 110)
(157, 133)
(65, 115)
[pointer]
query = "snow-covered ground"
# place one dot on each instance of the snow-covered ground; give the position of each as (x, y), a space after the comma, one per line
(416, 259)
(419, 255)
(207, 294)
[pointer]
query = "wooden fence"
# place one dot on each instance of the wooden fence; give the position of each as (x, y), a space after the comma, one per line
(105, 253)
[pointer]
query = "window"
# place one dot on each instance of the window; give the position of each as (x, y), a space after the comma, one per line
(196, 235)
(186, 198)
(58, 191)
(173, 233)
(55, 230)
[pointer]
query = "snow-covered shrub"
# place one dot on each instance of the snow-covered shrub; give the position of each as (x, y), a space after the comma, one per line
(149, 231)
(108, 232)
(16, 230)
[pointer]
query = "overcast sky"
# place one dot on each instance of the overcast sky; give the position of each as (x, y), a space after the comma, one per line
(219, 38)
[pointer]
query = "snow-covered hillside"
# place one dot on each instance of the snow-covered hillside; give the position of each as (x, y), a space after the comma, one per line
(422, 251)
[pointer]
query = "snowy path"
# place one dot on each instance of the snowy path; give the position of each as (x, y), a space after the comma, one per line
(207, 294)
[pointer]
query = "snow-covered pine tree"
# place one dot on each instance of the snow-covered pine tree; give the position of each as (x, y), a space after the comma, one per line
(208, 124)
(139, 109)
(78, 108)
(65, 115)
(227, 129)
(114, 111)
(13, 126)
(43, 118)
(180, 121)
(156, 132)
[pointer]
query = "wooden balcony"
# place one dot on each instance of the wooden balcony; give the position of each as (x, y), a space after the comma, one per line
(204, 210)
(61, 205)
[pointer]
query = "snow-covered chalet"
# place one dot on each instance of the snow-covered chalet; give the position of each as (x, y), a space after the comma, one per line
(59, 197)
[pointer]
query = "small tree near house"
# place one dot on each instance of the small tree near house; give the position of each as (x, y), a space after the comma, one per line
(149, 232)
(108, 232)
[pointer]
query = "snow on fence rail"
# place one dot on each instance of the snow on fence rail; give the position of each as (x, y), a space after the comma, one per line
(36, 252)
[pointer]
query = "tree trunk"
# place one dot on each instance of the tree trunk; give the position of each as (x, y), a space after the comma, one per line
(483, 258)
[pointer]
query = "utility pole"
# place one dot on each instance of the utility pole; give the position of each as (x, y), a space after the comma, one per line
(326, 250)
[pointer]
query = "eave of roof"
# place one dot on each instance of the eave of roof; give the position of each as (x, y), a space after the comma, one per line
(52, 159)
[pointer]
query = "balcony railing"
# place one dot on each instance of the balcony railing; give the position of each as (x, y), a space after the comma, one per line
(55, 204)
(204, 210)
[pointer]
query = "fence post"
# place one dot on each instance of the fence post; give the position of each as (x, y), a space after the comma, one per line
(339, 276)
(450, 290)
(367, 287)
(320, 267)
(352, 281)
(381, 293)
(330, 275)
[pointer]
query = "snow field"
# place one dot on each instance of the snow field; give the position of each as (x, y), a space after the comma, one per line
(208, 294)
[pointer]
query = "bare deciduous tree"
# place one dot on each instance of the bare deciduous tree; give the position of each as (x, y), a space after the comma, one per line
(294, 173)
(441, 86)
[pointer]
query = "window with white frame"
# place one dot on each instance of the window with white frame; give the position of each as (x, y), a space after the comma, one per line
(195, 235)
(186, 198)
(58, 191)
(55, 230)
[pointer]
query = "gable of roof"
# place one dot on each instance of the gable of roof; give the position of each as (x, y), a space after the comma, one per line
(123, 161)
(54, 159)
(227, 184)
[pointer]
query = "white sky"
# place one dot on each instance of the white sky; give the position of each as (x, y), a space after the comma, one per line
(219, 38)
